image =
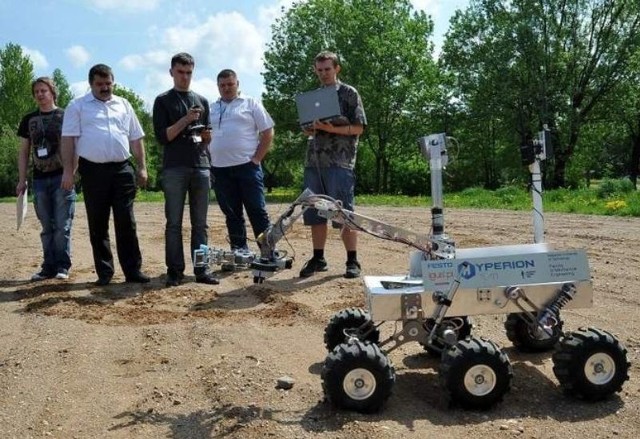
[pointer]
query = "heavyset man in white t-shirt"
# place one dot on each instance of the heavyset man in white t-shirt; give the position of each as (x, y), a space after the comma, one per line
(242, 132)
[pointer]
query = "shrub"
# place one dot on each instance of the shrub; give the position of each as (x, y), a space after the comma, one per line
(609, 187)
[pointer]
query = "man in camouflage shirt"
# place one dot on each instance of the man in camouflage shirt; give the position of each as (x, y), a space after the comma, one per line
(329, 166)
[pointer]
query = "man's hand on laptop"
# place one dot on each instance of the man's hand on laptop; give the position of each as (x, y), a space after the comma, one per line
(309, 129)
(323, 126)
(330, 127)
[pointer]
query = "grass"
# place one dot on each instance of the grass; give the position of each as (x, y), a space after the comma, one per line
(584, 201)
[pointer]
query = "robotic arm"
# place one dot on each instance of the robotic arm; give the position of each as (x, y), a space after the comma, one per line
(270, 260)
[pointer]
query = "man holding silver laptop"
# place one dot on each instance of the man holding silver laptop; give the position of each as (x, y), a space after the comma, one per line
(330, 162)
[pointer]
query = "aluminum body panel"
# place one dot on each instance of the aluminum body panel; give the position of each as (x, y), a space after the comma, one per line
(484, 281)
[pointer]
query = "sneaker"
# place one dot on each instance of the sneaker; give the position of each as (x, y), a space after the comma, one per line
(312, 266)
(42, 275)
(63, 274)
(207, 278)
(353, 270)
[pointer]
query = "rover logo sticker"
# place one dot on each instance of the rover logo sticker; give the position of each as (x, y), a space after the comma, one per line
(466, 272)
(527, 268)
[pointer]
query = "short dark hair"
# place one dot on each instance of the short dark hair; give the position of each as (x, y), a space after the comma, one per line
(182, 58)
(48, 82)
(226, 73)
(327, 55)
(102, 70)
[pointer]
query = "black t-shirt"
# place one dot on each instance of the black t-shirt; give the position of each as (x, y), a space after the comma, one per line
(168, 108)
(43, 130)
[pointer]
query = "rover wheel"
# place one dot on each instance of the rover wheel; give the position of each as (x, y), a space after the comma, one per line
(351, 321)
(462, 325)
(357, 376)
(590, 364)
(526, 339)
(476, 373)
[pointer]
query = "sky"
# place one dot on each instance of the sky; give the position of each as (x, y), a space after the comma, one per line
(137, 38)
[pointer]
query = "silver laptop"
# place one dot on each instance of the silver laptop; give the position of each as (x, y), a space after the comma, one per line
(320, 104)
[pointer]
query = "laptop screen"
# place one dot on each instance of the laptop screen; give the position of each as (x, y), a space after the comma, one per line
(320, 104)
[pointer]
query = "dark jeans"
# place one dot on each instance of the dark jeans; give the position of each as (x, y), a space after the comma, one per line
(55, 208)
(238, 186)
(106, 187)
(338, 183)
(176, 184)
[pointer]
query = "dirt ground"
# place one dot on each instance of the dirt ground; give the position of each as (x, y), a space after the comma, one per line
(196, 361)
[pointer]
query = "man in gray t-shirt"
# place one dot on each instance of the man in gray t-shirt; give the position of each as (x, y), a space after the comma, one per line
(331, 157)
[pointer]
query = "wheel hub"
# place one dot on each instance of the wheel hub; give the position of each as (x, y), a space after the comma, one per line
(480, 380)
(600, 368)
(359, 384)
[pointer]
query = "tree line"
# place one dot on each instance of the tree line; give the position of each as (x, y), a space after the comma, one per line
(16, 76)
(506, 69)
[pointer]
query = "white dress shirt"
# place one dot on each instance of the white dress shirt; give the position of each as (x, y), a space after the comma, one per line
(235, 129)
(103, 128)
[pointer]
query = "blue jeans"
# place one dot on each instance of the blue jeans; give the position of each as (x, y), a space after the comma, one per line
(177, 183)
(54, 208)
(238, 186)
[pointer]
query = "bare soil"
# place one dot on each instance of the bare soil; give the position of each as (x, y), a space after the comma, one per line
(198, 361)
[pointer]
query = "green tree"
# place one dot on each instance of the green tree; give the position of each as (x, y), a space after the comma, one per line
(151, 147)
(631, 118)
(477, 56)
(64, 91)
(620, 113)
(282, 165)
(521, 64)
(390, 64)
(16, 75)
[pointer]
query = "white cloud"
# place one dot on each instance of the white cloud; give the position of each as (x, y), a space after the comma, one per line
(155, 82)
(79, 88)
(77, 55)
(37, 58)
(156, 58)
(207, 87)
(431, 7)
(225, 36)
(440, 12)
(267, 16)
(219, 41)
(125, 5)
(225, 39)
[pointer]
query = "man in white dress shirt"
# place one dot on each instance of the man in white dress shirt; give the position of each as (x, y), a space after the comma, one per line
(103, 131)
(242, 132)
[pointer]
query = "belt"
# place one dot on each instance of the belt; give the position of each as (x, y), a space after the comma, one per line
(89, 162)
